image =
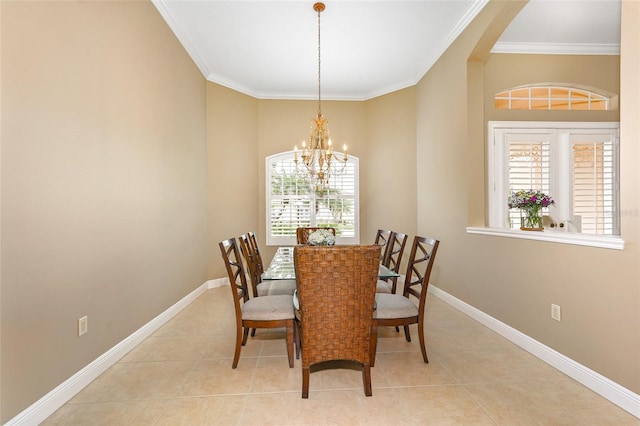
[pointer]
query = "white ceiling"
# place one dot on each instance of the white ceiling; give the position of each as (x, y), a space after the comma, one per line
(269, 49)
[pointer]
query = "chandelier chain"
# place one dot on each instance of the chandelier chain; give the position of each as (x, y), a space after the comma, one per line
(319, 59)
(318, 158)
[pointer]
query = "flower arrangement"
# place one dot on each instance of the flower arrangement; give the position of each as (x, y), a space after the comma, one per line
(321, 237)
(530, 204)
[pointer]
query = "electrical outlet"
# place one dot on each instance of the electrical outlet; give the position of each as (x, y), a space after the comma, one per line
(555, 312)
(83, 326)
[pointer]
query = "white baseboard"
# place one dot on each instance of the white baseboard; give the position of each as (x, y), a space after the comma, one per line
(220, 282)
(603, 386)
(48, 404)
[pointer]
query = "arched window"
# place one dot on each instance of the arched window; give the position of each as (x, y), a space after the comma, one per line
(291, 202)
(552, 97)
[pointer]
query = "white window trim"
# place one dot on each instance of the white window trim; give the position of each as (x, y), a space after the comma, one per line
(291, 241)
(497, 196)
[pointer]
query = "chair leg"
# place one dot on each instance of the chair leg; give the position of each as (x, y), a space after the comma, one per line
(393, 291)
(407, 334)
(245, 335)
(366, 378)
(373, 345)
(297, 336)
(236, 355)
(290, 339)
(305, 382)
(421, 338)
(253, 332)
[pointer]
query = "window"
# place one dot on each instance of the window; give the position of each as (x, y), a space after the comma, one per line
(292, 203)
(544, 97)
(575, 163)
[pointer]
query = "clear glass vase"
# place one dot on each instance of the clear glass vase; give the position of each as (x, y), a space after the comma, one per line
(531, 219)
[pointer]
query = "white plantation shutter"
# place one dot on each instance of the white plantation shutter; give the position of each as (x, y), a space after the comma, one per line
(338, 208)
(291, 203)
(289, 206)
(593, 183)
(289, 213)
(528, 168)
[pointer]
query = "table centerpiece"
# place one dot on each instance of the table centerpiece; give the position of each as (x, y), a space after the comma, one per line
(321, 237)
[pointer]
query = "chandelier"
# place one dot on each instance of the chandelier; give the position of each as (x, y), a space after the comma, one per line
(319, 160)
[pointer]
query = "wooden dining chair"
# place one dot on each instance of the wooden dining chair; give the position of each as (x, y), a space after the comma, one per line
(392, 260)
(302, 234)
(258, 312)
(382, 239)
(336, 293)
(253, 240)
(400, 309)
(248, 245)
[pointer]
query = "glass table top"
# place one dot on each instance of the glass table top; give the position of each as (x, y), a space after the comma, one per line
(282, 267)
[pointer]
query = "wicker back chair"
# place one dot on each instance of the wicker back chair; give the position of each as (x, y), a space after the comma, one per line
(258, 312)
(302, 234)
(399, 309)
(393, 257)
(336, 291)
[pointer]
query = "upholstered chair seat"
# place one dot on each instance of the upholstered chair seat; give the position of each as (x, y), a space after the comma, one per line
(393, 306)
(268, 308)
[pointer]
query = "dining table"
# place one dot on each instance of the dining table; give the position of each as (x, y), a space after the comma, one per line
(282, 267)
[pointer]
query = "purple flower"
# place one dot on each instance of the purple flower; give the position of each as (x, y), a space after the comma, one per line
(529, 199)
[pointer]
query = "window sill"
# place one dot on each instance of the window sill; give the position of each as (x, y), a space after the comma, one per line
(608, 242)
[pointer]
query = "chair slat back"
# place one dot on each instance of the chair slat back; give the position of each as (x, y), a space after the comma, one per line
(235, 271)
(395, 250)
(336, 290)
(382, 239)
(257, 257)
(423, 254)
(249, 257)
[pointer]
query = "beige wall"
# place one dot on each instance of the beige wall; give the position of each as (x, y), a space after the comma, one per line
(232, 156)
(516, 280)
(103, 184)
(629, 276)
(389, 167)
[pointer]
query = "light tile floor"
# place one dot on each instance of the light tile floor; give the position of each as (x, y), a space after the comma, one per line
(181, 375)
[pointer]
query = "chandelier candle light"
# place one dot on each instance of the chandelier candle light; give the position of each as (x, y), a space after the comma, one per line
(319, 156)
